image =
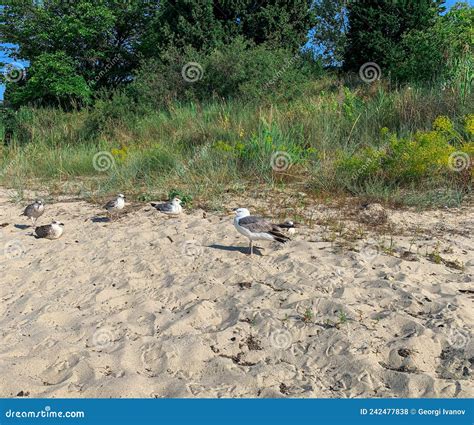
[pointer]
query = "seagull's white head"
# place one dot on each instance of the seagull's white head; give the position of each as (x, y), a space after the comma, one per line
(176, 200)
(120, 195)
(39, 202)
(58, 223)
(241, 212)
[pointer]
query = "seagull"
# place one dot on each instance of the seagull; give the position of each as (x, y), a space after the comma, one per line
(172, 207)
(34, 210)
(289, 226)
(257, 228)
(50, 231)
(115, 205)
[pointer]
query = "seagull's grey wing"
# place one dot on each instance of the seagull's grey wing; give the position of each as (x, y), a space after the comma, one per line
(44, 231)
(255, 224)
(165, 207)
(111, 204)
(260, 225)
(29, 210)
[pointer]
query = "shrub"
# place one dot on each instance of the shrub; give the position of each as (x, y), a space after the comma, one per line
(237, 70)
(427, 155)
(52, 81)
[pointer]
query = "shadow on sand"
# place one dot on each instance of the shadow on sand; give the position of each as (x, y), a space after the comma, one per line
(243, 250)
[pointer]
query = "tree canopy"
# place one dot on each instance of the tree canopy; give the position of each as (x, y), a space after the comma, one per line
(76, 49)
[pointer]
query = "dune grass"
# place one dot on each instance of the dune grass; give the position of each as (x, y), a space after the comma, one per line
(371, 141)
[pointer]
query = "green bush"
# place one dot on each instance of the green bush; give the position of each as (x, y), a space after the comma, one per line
(237, 70)
(52, 81)
(427, 155)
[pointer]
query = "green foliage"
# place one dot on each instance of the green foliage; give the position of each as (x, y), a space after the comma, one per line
(186, 199)
(238, 70)
(407, 160)
(329, 32)
(52, 80)
(376, 29)
(333, 141)
(102, 43)
(102, 38)
(441, 52)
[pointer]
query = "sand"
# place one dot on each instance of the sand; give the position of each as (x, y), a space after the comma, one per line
(150, 306)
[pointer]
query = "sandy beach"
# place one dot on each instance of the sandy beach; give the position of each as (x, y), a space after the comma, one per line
(151, 306)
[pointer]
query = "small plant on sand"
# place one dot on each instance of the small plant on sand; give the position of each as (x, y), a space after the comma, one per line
(342, 316)
(308, 316)
(186, 199)
(435, 255)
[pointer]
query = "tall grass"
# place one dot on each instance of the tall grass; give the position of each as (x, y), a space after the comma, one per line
(206, 149)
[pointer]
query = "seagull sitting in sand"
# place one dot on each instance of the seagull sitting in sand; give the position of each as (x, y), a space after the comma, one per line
(172, 207)
(257, 228)
(115, 205)
(50, 231)
(34, 210)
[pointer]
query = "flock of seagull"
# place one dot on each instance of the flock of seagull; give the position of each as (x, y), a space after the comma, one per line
(253, 227)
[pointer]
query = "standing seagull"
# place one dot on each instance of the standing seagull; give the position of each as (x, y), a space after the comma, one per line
(172, 207)
(50, 231)
(257, 228)
(34, 210)
(115, 205)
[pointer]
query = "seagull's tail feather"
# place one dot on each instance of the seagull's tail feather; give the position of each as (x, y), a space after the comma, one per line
(287, 225)
(278, 236)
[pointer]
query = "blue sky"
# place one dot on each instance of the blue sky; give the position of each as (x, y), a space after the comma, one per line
(4, 58)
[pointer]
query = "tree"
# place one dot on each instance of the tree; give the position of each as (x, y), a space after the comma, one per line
(280, 23)
(52, 80)
(102, 37)
(377, 27)
(104, 42)
(207, 24)
(441, 52)
(329, 33)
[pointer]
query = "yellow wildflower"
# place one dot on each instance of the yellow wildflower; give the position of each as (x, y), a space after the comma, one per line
(470, 124)
(443, 123)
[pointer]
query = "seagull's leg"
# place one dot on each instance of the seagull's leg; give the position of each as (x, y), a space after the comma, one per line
(32, 221)
(251, 247)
